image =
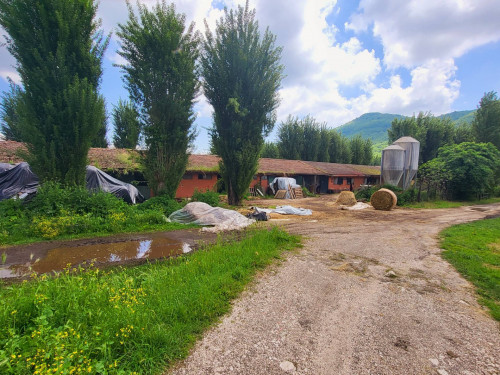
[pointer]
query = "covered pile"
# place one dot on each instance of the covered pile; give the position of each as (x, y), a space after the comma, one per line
(200, 213)
(98, 180)
(17, 181)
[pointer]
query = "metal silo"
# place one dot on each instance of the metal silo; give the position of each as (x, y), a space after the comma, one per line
(412, 150)
(393, 163)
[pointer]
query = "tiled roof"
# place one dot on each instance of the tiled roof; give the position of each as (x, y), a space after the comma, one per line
(371, 170)
(203, 163)
(335, 169)
(9, 151)
(103, 158)
(288, 167)
(122, 159)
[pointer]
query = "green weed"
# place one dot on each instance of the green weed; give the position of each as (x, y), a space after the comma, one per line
(127, 320)
(473, 249)
(61, 213)
(208, 197)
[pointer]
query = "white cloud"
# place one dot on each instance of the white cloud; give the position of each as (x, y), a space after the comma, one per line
(11, 74)
(414, 32)
(420, 37)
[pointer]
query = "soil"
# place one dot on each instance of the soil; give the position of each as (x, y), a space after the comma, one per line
(367, 294)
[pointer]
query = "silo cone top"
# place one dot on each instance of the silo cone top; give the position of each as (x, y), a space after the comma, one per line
(394, 147)
(406, 140)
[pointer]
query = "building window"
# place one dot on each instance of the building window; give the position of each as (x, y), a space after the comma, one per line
(255, 177)
(339, 181)
(263, 178)
(203, 176)
(348, 180)
(187, 176)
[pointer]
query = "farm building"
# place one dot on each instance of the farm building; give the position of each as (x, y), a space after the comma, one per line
(202, 171)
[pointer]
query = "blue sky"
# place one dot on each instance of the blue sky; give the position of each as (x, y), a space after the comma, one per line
(347, 57)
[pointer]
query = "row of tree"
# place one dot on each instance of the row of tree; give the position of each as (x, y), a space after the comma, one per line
(58, 110)
(435, 132)
(457, 162)
(307, 139)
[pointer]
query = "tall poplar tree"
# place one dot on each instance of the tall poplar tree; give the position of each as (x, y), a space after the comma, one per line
(486, 123)
(241, 76)
(8, 113)
(127, 125)
(59, 48)
(162, 80)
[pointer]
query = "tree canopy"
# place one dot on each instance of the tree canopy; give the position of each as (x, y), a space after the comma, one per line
(163, 82)
(59, 48)
(127, 125)
(464, 171)
(486, 123)
(432, 133)
(241, 76)
(9, 113)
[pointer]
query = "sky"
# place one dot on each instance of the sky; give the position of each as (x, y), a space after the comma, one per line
(344, 58)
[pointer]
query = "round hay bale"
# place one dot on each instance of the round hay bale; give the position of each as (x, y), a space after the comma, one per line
(346, 198)
(384, 199)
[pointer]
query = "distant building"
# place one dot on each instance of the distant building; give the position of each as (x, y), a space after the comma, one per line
(202, 172)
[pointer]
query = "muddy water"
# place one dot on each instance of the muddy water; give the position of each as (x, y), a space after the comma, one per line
(57, 258)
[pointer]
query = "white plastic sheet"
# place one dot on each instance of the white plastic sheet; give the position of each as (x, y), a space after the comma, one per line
(285, 210)
(284, 183)
(200, 213)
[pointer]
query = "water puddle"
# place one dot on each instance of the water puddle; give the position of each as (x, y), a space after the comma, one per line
(56, 259)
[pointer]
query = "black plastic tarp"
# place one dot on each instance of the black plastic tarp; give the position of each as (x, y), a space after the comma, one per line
(98, 180)
(17, 181)
(5, 167)
(21, 180)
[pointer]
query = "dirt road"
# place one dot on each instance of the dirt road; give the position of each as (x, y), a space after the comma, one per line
(368, 294)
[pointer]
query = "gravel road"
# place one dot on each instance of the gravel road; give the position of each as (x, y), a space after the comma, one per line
(368, 294)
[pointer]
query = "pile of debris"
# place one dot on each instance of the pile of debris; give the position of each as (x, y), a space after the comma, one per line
(286, 188)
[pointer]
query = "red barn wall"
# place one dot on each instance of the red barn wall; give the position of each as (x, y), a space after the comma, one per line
(187, 186)
(356, 183)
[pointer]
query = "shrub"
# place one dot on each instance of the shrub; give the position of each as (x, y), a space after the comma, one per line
(161, 203)
(407, 197)
(404, 197)
(54, 200)
(307, 193)
(208, 197)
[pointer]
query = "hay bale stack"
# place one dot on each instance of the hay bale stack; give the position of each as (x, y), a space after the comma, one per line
(346, 198)
(384, 199)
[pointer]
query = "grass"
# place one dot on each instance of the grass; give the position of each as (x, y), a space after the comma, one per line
(58, 213)
(450, 204)
(127, 320)
(474, 250)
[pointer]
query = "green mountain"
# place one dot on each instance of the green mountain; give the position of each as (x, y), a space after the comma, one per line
(460, 116)
(370, 125)
(374, 125)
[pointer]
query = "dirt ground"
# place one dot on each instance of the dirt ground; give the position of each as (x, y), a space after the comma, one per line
(368, 294)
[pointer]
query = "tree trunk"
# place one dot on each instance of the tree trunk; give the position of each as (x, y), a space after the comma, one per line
(232, 199)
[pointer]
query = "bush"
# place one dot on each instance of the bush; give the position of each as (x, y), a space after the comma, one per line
(307, 193)
(57, 212)
(161, 203)
(407, 197)
(404, 197)
(208, 197)
(53, 200)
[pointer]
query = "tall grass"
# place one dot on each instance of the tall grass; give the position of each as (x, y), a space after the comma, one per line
(451, 204)
(474, 250)
(57, 212)
(124, 321)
